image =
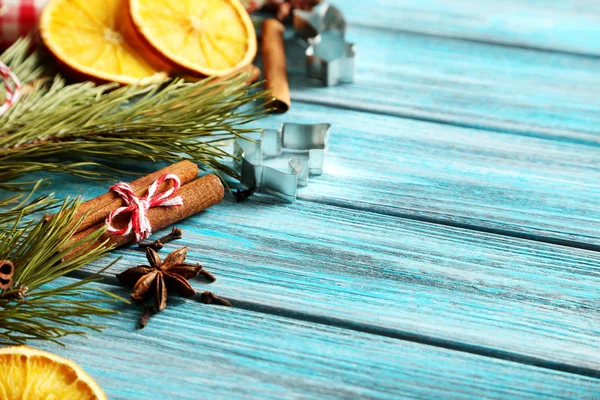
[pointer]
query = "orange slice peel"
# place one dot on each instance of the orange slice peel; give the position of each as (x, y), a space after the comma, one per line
(86, 38)
(212, 37)
(27, 373)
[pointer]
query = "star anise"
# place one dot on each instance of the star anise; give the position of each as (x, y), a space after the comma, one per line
(161, 277)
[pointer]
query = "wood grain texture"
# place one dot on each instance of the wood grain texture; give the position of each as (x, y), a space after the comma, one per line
(512, 184)
(191, 351)
(400, 277)
(556, 25)
(475, 85)
(339, 295)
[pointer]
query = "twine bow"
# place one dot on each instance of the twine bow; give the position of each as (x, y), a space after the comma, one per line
(139, 222)
(13, 91)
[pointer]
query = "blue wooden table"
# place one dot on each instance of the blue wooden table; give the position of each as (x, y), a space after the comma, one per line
(451, 249)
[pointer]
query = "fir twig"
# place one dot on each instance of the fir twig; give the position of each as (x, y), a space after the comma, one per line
(30, 308)
(74, 128)
(28, 66)
(70, 128)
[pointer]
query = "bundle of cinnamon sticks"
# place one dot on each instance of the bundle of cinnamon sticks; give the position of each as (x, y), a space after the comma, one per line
(197, 194)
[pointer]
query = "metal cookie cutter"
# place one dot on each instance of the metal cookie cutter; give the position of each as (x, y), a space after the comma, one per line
(281, 160)
(329, 57)
(323, 17)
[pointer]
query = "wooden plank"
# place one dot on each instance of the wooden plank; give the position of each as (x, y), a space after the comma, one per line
(562, 25)
(462, 83)
(539, 188)
(191, 350)
(458, 288)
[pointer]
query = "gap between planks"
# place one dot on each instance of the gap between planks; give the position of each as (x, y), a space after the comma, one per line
(455, 224)
(527, 93)
(251, 305)
(193, 350)
(387, 331)
(509, 45)
(396, 334)
(508, 129)
(560, 365)
(488, 173)
(568, 27)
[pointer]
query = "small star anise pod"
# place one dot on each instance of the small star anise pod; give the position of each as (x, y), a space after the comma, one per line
(160, 277)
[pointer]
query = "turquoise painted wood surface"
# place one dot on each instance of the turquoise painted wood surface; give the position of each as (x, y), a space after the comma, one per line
(533, 187)
(197, 351)
(458, 288)
(450, 250)
(552, 25)
(455, 82)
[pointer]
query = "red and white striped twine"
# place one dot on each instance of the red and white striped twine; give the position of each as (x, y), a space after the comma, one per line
(13, 87)
(139, 222)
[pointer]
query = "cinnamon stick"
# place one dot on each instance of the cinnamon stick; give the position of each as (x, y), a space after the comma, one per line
(99, 207)
(274, 65)
(197, 196)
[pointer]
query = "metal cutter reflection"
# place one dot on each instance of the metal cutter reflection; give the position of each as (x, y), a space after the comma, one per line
(279, 161)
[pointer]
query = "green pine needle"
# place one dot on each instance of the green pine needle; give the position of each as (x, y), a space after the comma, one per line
(81, 129)
(30, 309)
(60, 127)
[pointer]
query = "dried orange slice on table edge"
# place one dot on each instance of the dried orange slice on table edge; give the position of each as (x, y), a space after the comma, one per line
(86, 38)
(29, 374)
(206, 38)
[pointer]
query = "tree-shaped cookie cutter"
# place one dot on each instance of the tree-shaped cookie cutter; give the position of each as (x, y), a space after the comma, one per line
(329, 57)
(279, 161)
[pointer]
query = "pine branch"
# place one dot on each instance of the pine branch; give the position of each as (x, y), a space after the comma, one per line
(30, 309)
(73, 127)
(76, 128)
(17, 207)
(28, 66)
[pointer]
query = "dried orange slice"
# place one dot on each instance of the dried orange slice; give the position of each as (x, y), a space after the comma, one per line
(210, 37)
(85, 36)
(30, 374)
